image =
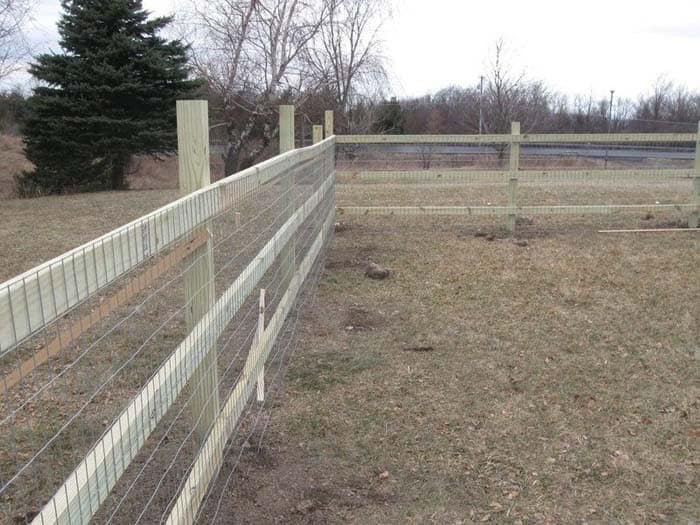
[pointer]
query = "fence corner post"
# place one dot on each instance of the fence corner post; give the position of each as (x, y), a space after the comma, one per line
(193, 174)
(329, 123)
(513, 177)
(694, 219)
(317, 134)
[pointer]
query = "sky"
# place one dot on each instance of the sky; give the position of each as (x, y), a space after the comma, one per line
(587, 47)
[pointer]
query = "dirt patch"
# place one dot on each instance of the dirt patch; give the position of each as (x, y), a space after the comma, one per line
(675, 223)
(359, 318)
(341, 227)
(420, 348)
(351, 257)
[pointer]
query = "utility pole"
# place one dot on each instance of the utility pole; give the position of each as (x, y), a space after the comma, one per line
(612, 93)
(481, 95)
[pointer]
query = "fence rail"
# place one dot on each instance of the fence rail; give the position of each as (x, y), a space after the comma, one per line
(527, 138)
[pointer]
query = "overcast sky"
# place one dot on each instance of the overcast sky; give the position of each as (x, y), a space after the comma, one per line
(583, 48)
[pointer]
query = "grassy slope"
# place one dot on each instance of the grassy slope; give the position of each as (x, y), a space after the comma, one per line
(12, 163)
(145, 173)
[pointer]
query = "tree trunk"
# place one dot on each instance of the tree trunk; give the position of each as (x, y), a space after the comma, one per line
(230, 160)
(117, 174)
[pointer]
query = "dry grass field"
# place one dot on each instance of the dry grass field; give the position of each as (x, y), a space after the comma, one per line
(12, 163)
(551, 378)
(35, 230)
(555, 382)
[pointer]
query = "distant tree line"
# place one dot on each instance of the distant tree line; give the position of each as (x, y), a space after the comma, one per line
(508, 96)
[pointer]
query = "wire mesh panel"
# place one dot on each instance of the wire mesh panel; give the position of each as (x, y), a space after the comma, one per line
(104, 384)
(519, 175)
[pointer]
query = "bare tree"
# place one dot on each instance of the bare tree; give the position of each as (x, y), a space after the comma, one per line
(346, 55)
(14, 48)
(250, 54)
(511, 96)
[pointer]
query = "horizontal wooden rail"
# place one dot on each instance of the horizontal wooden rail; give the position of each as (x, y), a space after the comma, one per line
(210, 457)
(36, 298)
(502, 176)
(535, 138)
(88, 486)
(506, 210)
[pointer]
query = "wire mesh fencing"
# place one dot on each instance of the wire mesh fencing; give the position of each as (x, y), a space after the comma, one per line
(520, 176)
(121, 392)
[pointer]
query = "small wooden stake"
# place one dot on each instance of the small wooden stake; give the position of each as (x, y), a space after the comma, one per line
(259, 337)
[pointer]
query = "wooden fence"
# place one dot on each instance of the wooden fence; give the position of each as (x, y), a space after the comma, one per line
(118, 266)
(512, 176)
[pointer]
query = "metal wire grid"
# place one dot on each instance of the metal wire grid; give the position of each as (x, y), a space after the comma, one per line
(548, 175)
(60, 405)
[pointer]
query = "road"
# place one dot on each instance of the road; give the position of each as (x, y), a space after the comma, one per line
(564, 150)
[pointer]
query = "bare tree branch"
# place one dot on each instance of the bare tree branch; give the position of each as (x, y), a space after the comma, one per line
(14, 48)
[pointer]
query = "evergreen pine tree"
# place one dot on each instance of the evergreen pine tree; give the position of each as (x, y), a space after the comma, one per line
(110, 95)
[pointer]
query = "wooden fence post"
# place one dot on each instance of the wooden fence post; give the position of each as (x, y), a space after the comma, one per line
(287, 187)
(513, 180)
(286, 128)
(317, 134)
(694, 219)
(193, 174)
(329, 123)
(259, 337)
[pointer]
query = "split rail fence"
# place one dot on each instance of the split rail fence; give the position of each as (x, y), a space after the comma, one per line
(520, 174)
(127, 364)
